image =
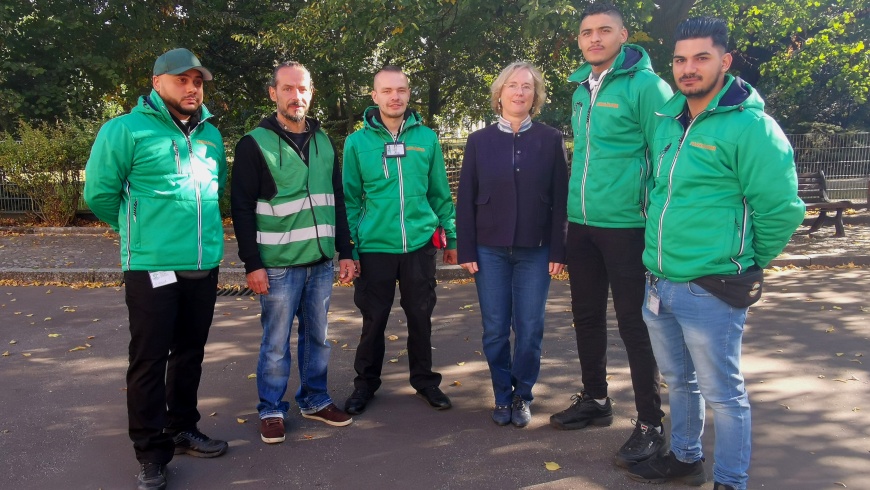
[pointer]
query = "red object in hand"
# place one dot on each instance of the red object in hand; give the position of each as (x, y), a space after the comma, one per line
(439, 238)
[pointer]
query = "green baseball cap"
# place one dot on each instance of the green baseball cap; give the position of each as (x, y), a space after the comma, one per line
(178, 61)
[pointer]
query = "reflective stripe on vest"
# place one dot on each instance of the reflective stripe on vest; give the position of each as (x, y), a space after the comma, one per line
(293, 207)
(300, 235)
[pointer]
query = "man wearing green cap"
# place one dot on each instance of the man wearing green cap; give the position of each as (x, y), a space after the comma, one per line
(156, 176)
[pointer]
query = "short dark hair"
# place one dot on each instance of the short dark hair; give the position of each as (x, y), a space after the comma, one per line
(601, 8)
(273, 82)
(703, 27)
(391, 69)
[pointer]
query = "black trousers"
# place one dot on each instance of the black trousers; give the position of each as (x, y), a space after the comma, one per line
(599, 258)
(168, 330)
(374, 292)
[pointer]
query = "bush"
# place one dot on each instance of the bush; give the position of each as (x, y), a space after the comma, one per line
(47, 163)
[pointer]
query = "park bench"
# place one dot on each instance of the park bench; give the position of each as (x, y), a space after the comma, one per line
(812, 189)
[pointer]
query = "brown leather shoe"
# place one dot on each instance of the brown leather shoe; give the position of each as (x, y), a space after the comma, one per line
(331, 415)
(272, 430)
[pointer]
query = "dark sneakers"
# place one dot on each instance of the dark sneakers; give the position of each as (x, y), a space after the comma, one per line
(330, 415)
(357, 402)
(272, 430)
(584, 410)
(722, 486)
(502, 414)
(435, 397)
(195, 443)
(665, 468)
(152, 476)
(645, 442)
(521, 415)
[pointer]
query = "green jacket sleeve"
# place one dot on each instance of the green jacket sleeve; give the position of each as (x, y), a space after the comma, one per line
(440, 199)
(107, 169)
(653, 96)
(353, 189)
(765, 168)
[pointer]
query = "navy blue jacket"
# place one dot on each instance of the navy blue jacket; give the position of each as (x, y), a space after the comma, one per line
(513, 191)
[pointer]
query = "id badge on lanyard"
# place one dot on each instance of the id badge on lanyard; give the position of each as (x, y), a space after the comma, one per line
(395, 149)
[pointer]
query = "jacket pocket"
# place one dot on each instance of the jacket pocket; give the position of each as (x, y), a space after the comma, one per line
(483, 212)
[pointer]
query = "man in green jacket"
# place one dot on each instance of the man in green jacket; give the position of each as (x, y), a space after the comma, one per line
(155, 176)
(398, 201)
(614, 122)
(723, 205)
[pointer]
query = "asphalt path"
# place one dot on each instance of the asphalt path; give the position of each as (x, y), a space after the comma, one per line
(63, 416)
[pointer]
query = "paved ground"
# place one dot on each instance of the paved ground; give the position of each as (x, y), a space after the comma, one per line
(63, 422)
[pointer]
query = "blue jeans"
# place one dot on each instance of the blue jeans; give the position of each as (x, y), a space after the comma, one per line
(302, 292)
(696, 338)
(512, 285)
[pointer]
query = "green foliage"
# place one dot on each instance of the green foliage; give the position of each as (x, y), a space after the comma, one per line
(810, 59)
(47, 163)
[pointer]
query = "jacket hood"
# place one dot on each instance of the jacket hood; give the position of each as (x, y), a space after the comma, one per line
(735, 94)
(632, 58)
(272, 124)
(372, 120)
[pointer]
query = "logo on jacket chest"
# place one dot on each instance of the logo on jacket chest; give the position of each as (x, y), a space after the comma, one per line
(702, 146)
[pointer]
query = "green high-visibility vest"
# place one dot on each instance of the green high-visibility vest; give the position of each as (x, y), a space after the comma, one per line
(297, 226)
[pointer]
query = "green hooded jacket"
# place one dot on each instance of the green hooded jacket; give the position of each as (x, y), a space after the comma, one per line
(159, 188)
(610, 169)
(724, 196)
(394, 204)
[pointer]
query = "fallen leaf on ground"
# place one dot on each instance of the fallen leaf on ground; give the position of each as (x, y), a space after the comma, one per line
(69, 310)
(13, 342)
(212, 414)
(307, 437)
(552, 466)
(460, 363)
(393, 337)
(478, 352)
(344, 346)
(465, 307)
(252, 376)
(47, 318)
(53, 335)
(6, 354)
(91, 337)
(241, 421)
(838, 307)
(784, 405)
(394, 361)
(829, 329)
(456, 383)
(840, 483)
(26, 354)
(81, 347)
(839, 354)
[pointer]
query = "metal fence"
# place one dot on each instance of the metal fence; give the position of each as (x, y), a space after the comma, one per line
(844, 158)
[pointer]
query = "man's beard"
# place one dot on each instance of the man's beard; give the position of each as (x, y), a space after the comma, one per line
(294, 116)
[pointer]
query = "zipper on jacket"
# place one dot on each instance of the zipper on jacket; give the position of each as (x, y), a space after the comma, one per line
(386, 169)
(742, 236)
(586, 163)
(130, 211)
(670, 185)
(401, 190)
(177, 157)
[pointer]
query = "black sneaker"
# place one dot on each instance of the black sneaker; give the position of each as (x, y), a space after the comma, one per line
(722, 486)
(584, 410)
(668, 468)
(645, 442)
(152, 476)
(195, 443)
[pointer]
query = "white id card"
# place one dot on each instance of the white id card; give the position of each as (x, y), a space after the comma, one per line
(652, 302)
(392, 150)
(162, 278)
